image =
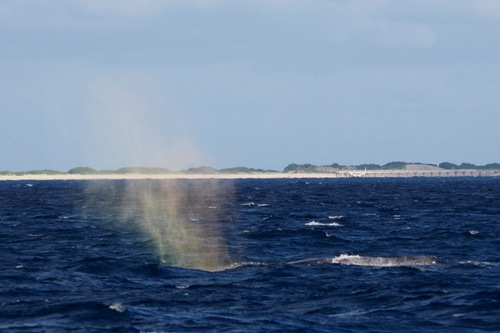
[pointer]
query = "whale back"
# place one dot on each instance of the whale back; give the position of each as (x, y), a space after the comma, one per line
(371, 261)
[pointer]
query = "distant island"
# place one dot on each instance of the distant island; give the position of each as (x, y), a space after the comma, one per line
(335, 170)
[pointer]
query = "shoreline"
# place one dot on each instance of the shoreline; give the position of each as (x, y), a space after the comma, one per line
(162, 176)
(267, 175)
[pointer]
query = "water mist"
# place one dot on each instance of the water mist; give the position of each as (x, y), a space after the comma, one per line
(182, 219)
(131, 123)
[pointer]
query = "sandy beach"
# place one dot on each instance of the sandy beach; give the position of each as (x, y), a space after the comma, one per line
(164, 176)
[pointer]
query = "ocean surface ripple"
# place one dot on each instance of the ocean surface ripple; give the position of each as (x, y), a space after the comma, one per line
(309, 255)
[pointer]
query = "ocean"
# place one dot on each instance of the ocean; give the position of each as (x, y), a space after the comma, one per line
(251, 255)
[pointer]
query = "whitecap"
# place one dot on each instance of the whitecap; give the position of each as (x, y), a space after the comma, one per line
(117, 307)
(315, 223)
(356, 260)
(483, 264)
(336, 217)
(243, 264)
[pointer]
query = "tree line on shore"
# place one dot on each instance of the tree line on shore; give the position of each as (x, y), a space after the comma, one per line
(136, 170)
(389, 166)
(307, 168)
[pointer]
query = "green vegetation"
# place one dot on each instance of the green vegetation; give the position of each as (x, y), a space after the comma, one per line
(43, 172)
(394, 166)
(32, 172)
(447, 166)
(202, 170)
(243, 170)
(368, 167)
(492, 166)
(143, 170)
(451, 166)
(308, 168)
(300, 168)
(336, 165)
(82, 171)
(291, 168)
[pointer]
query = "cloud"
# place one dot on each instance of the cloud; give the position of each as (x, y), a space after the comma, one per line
(379, 20)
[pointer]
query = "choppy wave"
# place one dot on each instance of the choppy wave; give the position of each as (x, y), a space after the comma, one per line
(72, 262)
(354, 260)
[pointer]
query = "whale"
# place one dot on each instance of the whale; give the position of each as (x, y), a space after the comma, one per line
(347, 260)
(356, 260)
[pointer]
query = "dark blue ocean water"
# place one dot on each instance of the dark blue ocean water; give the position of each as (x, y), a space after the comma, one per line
(75, 258)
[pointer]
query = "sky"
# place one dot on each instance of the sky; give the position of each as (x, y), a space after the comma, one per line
(261, 83)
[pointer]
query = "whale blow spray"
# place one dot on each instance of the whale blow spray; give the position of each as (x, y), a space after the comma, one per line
(182, 219)
(130, 122)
